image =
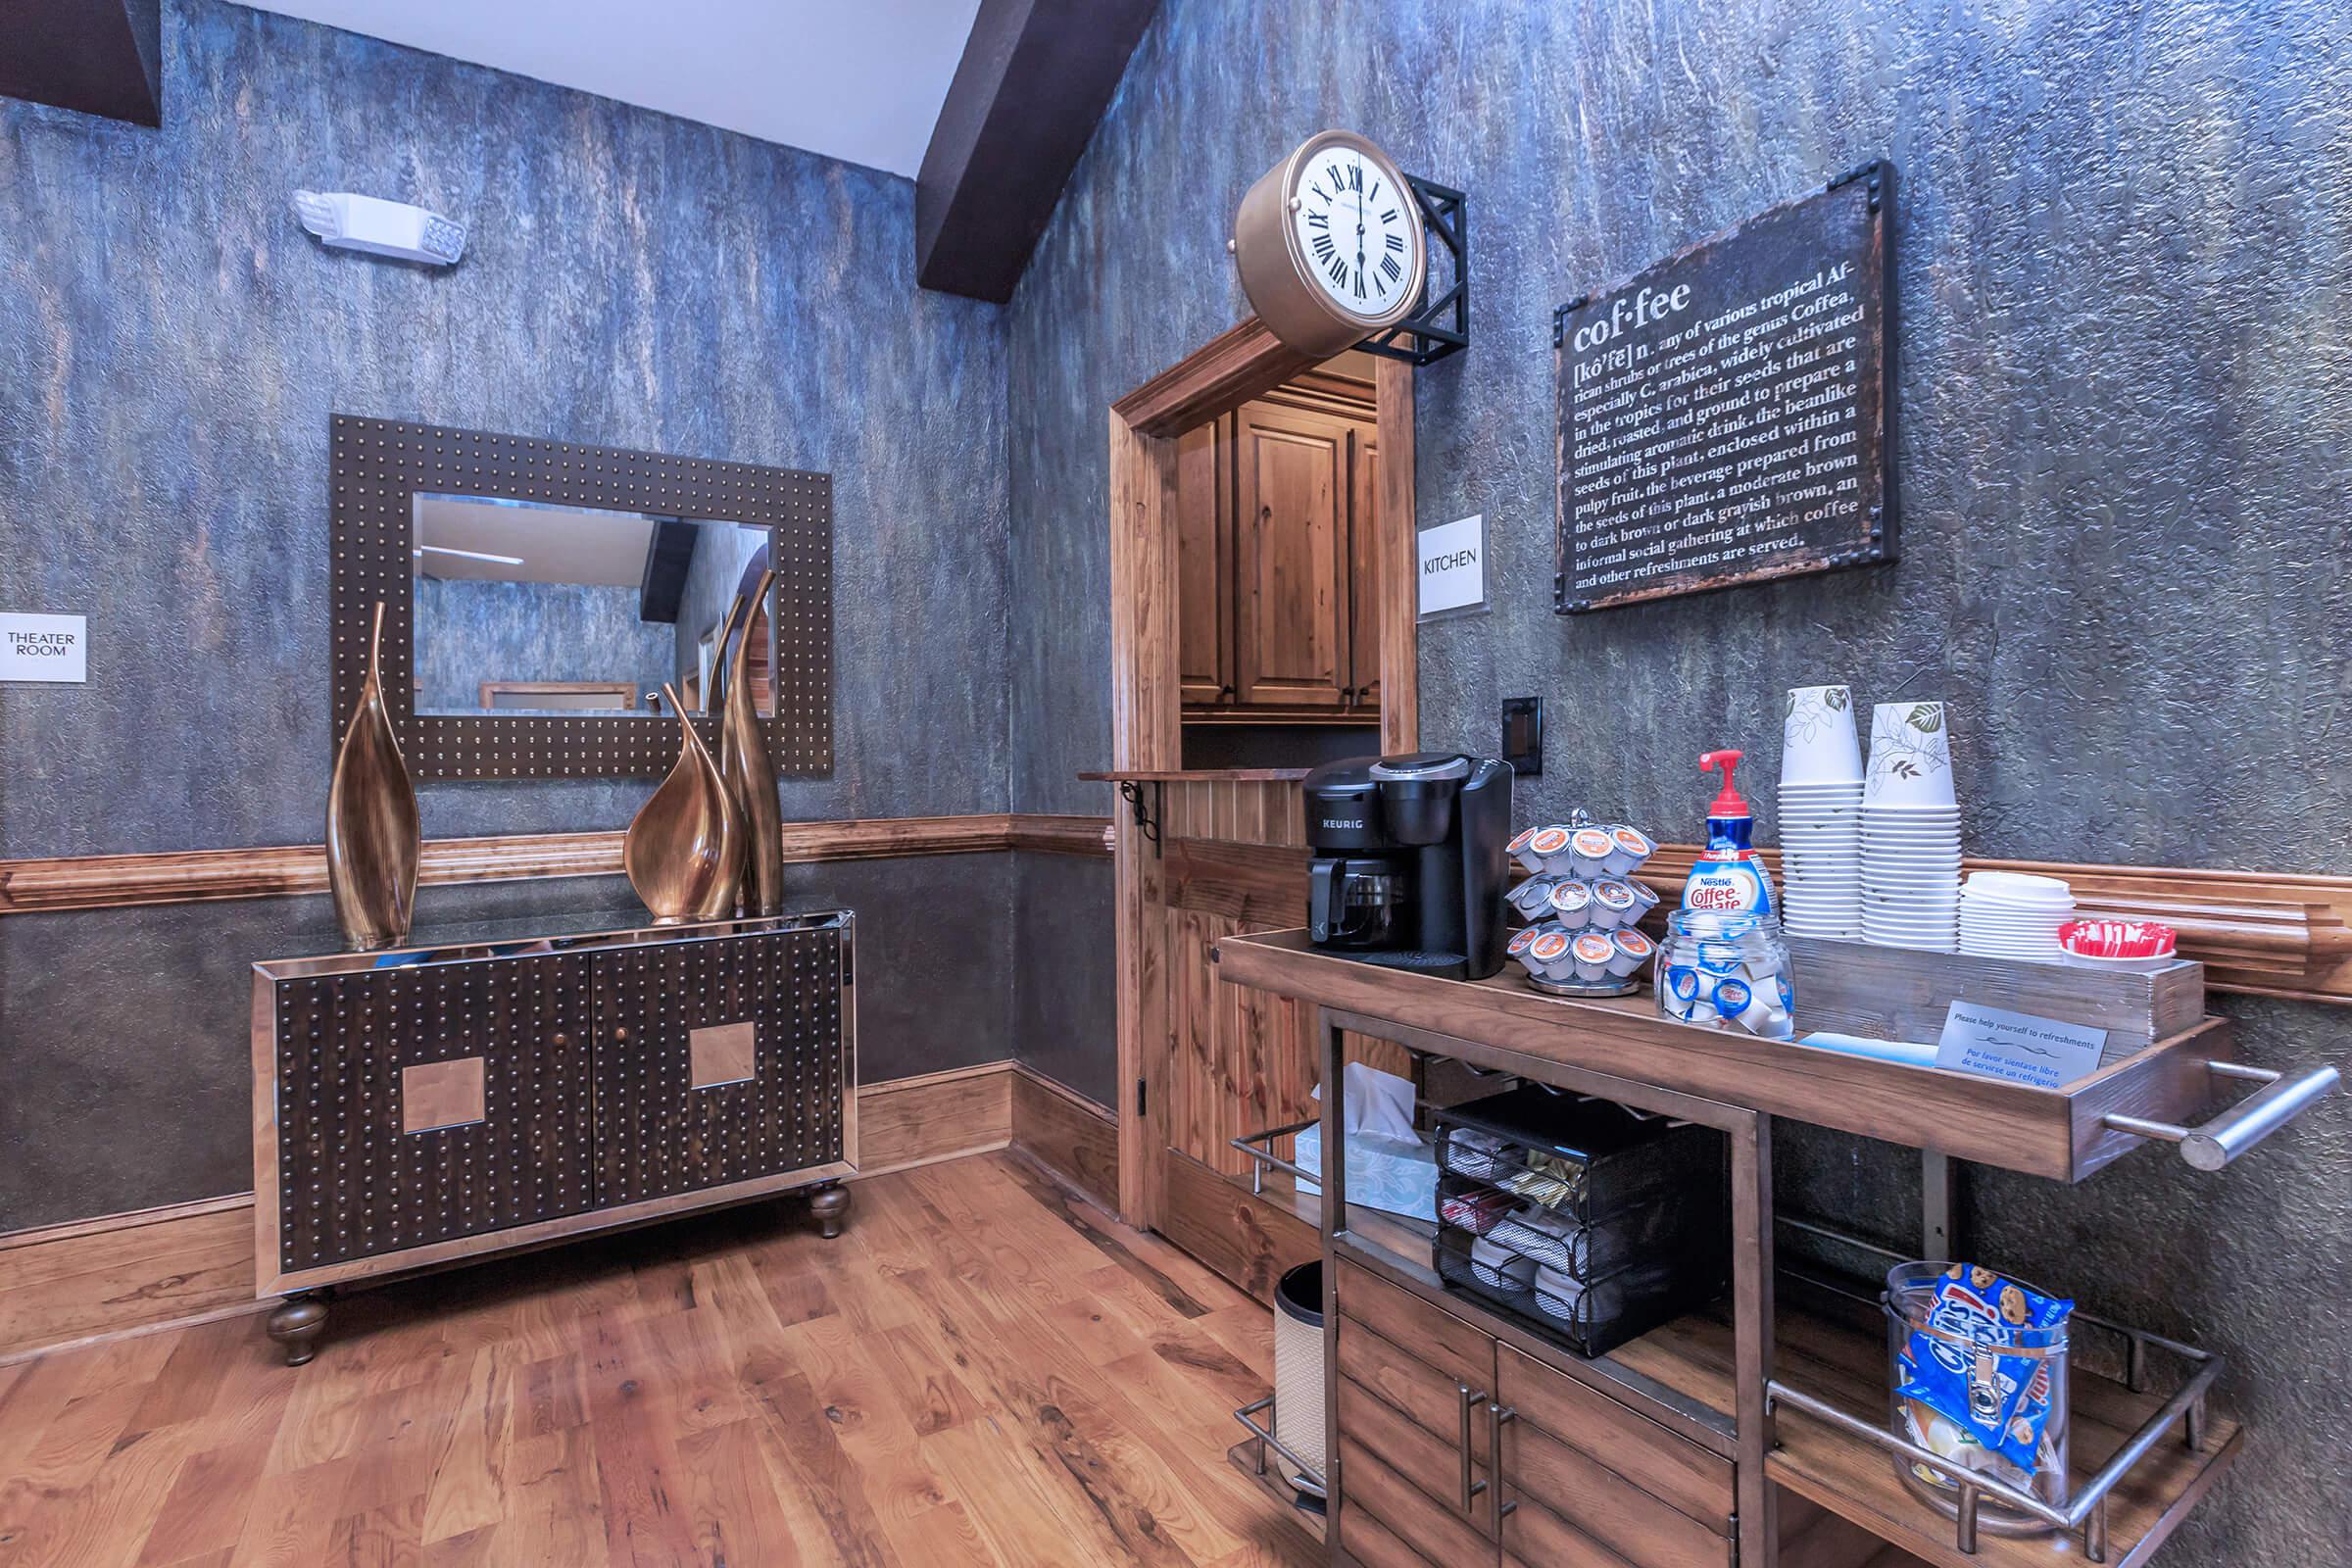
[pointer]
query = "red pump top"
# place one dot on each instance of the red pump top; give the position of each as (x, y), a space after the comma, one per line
(1728, 801)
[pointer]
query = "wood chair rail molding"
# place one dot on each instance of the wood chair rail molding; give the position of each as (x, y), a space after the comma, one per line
(201, 876)
(2258, 933)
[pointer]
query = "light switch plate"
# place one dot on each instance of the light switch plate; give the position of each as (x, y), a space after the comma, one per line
(1523, 735)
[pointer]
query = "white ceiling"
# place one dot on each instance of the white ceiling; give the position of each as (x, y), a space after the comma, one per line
(860, 80)
(556, 544)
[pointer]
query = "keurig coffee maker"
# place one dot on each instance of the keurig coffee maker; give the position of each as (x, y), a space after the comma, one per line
(1409, 861)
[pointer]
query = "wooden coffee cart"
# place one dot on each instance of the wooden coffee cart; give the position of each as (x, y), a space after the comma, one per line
(1756, 1433)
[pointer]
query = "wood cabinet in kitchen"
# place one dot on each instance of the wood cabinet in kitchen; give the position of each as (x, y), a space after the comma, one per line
(1276, 559)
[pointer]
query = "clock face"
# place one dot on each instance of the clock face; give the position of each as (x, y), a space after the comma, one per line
(1357, 231)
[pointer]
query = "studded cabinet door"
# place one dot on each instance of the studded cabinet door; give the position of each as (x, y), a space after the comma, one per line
(716, 1062)
(427, 1103)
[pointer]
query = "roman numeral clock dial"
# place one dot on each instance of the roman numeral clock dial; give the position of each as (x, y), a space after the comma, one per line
(1330, 244)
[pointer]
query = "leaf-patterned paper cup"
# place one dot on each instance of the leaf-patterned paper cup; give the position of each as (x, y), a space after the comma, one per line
(1818, 743)
(1910, 757)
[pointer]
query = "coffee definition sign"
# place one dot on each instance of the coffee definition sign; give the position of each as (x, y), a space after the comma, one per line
(1723, 416)
(43, 648)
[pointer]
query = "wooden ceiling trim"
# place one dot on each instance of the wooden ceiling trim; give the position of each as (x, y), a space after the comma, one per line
(97, 57)
(1034, 80)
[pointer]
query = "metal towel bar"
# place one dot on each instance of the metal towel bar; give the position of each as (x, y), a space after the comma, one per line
(2217, 1141)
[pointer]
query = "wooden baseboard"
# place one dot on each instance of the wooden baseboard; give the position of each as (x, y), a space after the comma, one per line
(204, 876)
(1070, 1135)
(118, 1274)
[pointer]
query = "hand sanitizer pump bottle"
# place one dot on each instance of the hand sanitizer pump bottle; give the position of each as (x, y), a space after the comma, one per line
(1729, 877)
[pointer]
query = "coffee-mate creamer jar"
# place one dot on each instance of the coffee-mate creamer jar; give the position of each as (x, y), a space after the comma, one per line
(1729, 877)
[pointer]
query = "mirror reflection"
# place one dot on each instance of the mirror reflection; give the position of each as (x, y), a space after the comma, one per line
(523, 607)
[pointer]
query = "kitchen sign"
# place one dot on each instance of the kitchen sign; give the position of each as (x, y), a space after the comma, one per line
(1723, 416)
(43, 648)
(1454, 567)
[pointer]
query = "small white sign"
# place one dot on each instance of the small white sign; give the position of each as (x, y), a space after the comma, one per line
(51, 648)
(1454, 566)
(2017, 1045)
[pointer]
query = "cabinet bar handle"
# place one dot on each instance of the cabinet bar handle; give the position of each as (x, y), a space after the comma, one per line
(1496, 1415)
(1471, 1486)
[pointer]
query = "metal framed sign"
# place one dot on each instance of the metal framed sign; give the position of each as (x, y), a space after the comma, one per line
(1723, 414)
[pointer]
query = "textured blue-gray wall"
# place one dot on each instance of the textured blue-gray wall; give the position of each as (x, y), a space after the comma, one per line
(2123, 239)
(172, 345)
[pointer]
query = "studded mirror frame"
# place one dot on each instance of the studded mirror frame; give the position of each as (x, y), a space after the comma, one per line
(378, 467)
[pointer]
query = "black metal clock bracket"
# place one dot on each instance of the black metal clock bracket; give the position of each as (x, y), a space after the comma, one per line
(1440, 324)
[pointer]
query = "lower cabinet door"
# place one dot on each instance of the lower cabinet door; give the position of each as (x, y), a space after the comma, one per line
(1575, 1510)
(717, 1062)
(424, 1104)
(1368, 1484)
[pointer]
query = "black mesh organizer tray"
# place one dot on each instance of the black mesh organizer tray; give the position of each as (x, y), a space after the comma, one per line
(1617, 1221)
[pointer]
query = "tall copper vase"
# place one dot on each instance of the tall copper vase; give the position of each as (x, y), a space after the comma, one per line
(684, 850)
(373, 838)
(749, 772)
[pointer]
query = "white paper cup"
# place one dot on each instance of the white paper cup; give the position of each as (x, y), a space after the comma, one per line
(1818, 743)
(1910, 756)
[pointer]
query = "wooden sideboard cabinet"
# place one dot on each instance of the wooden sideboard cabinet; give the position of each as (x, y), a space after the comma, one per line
(419, 1107)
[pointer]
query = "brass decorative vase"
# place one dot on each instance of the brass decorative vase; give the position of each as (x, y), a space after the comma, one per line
(684, 850)
(749, 772)
(372, 838)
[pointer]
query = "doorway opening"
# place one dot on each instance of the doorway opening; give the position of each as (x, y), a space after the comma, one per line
(1262, 517)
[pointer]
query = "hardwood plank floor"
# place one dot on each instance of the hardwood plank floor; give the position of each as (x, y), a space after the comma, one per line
(983, 1369)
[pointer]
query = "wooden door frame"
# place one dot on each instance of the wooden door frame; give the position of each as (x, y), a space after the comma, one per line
(1147, 732)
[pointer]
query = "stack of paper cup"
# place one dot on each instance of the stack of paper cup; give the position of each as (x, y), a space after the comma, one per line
(1910, 830)
(2008, 914)
(1821, 815)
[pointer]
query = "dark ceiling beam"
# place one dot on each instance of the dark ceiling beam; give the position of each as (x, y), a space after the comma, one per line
(1036, 75)
(100, 57)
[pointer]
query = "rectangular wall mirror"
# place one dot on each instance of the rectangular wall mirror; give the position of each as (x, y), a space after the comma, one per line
(539, 595)
(522, 607)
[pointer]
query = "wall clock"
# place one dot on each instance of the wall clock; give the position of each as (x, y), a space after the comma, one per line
(1330, 244)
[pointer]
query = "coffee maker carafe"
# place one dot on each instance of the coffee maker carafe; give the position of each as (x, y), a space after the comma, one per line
(1409, 860)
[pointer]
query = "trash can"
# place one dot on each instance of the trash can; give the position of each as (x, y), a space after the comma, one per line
(1298, 1373)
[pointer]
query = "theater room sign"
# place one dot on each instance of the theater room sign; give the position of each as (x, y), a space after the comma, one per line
(43, 648)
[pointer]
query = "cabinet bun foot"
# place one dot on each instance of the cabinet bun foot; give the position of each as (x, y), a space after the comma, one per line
(831, 1207)
(298, 1324)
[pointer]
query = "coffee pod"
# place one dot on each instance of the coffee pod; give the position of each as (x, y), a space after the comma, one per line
(1633, 951)
(1551, 955)
(1549, 847)
(1521, 941)
(1594, 954)
(1613, 905)
(1572, 902)
(1522, 849)
(1645, 898)
(1629, 847)
(1589, 848)
(1531, 897)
